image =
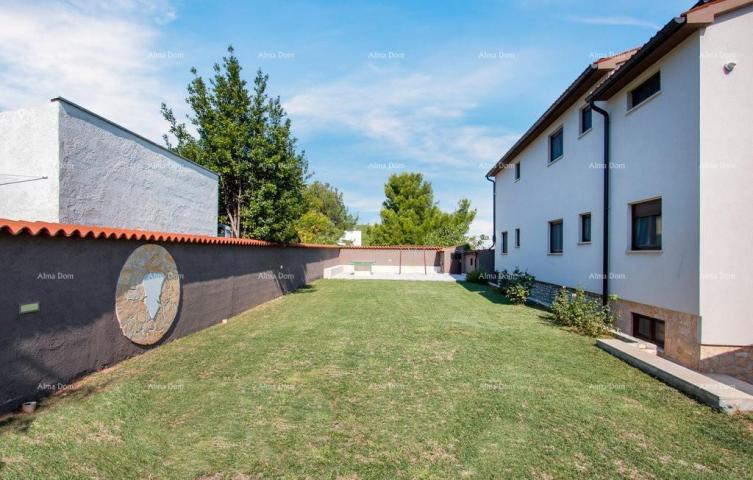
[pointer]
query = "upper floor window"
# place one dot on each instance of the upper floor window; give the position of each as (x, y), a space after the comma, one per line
(647, 225)
(585, 119)
(517, 237)
(517, 171)
(504, 243)
(555, 236)
(556, 145)
(585, 228)
(644, 91)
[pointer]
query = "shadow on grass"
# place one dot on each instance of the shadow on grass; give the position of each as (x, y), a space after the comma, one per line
(486, 291)
(17, 422)
(304, 289)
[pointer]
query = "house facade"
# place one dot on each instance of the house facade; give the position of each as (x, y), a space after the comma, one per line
(669, 178)
(60, 162)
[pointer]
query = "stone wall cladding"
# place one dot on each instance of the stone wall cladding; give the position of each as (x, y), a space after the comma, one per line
(544, 293)
(736, 361)
(682, 330)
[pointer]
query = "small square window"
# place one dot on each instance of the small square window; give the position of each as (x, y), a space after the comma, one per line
(504, 243)
(650, 329)
(517, 171)
(555, 236)
(647, 225)
(517, 237)
(556, 145)
(585, 119)
(585, 228)
(644, 91)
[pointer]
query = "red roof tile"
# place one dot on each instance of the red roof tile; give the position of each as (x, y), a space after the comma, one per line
(48, 229)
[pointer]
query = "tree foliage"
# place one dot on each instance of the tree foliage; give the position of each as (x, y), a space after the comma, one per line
(245, 137)
(410, 216)
(326, 217)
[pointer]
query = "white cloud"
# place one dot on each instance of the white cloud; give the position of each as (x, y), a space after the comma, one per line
(418, 116)
(621, 21)
(98, 54)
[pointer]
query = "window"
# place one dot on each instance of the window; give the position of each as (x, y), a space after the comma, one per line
(517, 171)
(556, 147)
(585, 119)
(585, 228)
(555, 236)
(504, 243)
(517, 237)
(648, 328)
(644, 91)
(646, 225)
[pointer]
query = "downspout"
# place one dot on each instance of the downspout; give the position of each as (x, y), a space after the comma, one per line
(605, 216)
(494, 211)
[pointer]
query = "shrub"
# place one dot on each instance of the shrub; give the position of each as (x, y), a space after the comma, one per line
(475, 277)
(516, 286)
(582, 313)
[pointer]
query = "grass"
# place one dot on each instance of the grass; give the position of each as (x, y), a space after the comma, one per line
(373, 379)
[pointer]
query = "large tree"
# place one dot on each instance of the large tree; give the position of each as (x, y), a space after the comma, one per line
(410, 216)
(245, 137)
(326, 217)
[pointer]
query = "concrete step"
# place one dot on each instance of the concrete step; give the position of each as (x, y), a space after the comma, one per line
(722, 392)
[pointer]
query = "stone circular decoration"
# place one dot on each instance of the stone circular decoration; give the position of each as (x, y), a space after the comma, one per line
(147, 295)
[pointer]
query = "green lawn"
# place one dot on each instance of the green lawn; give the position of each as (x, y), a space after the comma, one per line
(377, 379)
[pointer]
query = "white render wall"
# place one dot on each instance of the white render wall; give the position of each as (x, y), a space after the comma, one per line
(29, 147)
(727, 180)
(99, 174)
(110, 177)
(655, 153)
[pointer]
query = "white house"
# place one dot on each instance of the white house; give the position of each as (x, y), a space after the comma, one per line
(677, 172)
(62, 163)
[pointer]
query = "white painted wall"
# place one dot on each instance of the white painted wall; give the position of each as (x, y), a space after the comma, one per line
(561, 190)
(657, 144)
(655, 150)
(726, 119)
(110, 177)
(29, 147)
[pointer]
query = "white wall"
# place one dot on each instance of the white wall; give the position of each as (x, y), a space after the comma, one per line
(654, 153)
(29, 147)
(656, 149)
(727, 180)
(562, 190)
(110, 177)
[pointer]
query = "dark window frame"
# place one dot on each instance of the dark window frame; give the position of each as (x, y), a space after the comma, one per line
(583, 111)
(517, 238)
(517, 171)
(504, 243)
(653, 323)
(646, 90)
(561, 224)
(582, 237)
(559, 133)
(651, 209)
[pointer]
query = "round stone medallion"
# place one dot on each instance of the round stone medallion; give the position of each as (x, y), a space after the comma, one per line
(147, 295)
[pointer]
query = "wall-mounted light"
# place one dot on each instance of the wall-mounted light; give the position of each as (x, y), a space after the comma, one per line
(728, 67)
(25, 308)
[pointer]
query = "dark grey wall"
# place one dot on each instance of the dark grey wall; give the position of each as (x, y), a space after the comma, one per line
(76, 331)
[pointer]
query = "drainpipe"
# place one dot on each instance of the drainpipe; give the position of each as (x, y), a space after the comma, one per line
(605, 216)
(494, 211)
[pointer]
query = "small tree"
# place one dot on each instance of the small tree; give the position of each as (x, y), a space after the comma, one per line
(246, 139)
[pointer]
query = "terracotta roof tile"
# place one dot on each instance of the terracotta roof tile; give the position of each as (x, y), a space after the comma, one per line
(48, 229)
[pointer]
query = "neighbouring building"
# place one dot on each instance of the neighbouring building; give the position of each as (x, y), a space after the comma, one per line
(351, 238)
(60, 162)
(672, 175)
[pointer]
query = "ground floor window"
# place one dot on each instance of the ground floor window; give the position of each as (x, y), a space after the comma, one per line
(649, 329)
(555, 236)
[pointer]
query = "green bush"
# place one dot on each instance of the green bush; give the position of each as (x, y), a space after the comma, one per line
(475, 277)
(582, 313)
(516, 286)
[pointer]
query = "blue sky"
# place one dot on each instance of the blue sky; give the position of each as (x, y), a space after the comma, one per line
(438, 87)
